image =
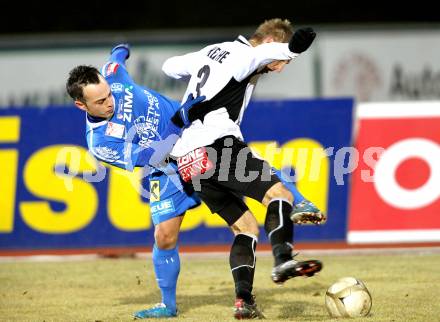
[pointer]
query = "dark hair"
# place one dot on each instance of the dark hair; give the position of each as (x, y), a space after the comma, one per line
(79, 77)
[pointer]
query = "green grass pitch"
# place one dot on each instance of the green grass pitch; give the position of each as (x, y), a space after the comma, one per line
(404, 287)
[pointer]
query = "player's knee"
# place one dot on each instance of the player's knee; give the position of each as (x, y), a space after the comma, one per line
(252, 230)
(277, 191)
(165, 239)
(246, 224)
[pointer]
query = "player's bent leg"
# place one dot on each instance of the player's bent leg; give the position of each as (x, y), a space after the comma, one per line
(279, 229)
(246, 224)
(277, 191)
(304, 211)
(288, 183)
(278, 226)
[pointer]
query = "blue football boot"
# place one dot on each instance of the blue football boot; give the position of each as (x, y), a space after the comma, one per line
(306, 212)
(160, 310)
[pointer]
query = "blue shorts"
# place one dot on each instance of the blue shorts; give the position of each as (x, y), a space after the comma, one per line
(170, 196)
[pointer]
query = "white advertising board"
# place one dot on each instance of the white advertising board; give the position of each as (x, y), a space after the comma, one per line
(381, 65)
(37, 77)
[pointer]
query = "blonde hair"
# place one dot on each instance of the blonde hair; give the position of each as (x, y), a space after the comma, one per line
(280, 30)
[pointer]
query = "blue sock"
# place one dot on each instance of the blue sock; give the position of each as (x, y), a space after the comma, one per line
(298, 197)
(167, 267)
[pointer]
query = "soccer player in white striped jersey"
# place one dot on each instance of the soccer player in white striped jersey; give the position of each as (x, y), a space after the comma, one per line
(212, 149)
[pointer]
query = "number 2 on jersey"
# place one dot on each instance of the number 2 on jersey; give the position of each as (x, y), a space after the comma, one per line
(203, 75)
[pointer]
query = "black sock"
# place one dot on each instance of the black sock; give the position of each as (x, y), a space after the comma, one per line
(279, 229)
(288, 228)
(242, 261)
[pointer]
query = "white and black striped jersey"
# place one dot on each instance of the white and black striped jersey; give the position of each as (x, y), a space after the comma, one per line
(226, 74)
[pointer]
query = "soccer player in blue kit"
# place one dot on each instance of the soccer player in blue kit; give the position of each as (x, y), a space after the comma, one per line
(132, 126)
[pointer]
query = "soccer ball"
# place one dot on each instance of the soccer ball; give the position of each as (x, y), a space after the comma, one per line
(348, 297)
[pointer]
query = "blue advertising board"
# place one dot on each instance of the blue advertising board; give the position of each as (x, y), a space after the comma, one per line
(46, 202)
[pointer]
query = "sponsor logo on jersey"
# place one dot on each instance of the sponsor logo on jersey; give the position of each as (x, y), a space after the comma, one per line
(107, 154)
(128, 104)
(114, 129)
(147, 125)
(147, 131)
(154, 190)
(194, 163)
(162, 208)
(117, 88)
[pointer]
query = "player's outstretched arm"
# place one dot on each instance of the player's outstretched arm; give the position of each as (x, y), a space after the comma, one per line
(179, 67)
(120, 54)
(115, 66)
(268, 52)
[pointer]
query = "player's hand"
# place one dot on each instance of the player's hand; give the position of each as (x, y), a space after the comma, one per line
(301, 40)
(125, 47)
(185, 108)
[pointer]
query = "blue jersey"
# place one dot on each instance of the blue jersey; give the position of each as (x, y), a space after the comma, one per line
(141, 116)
